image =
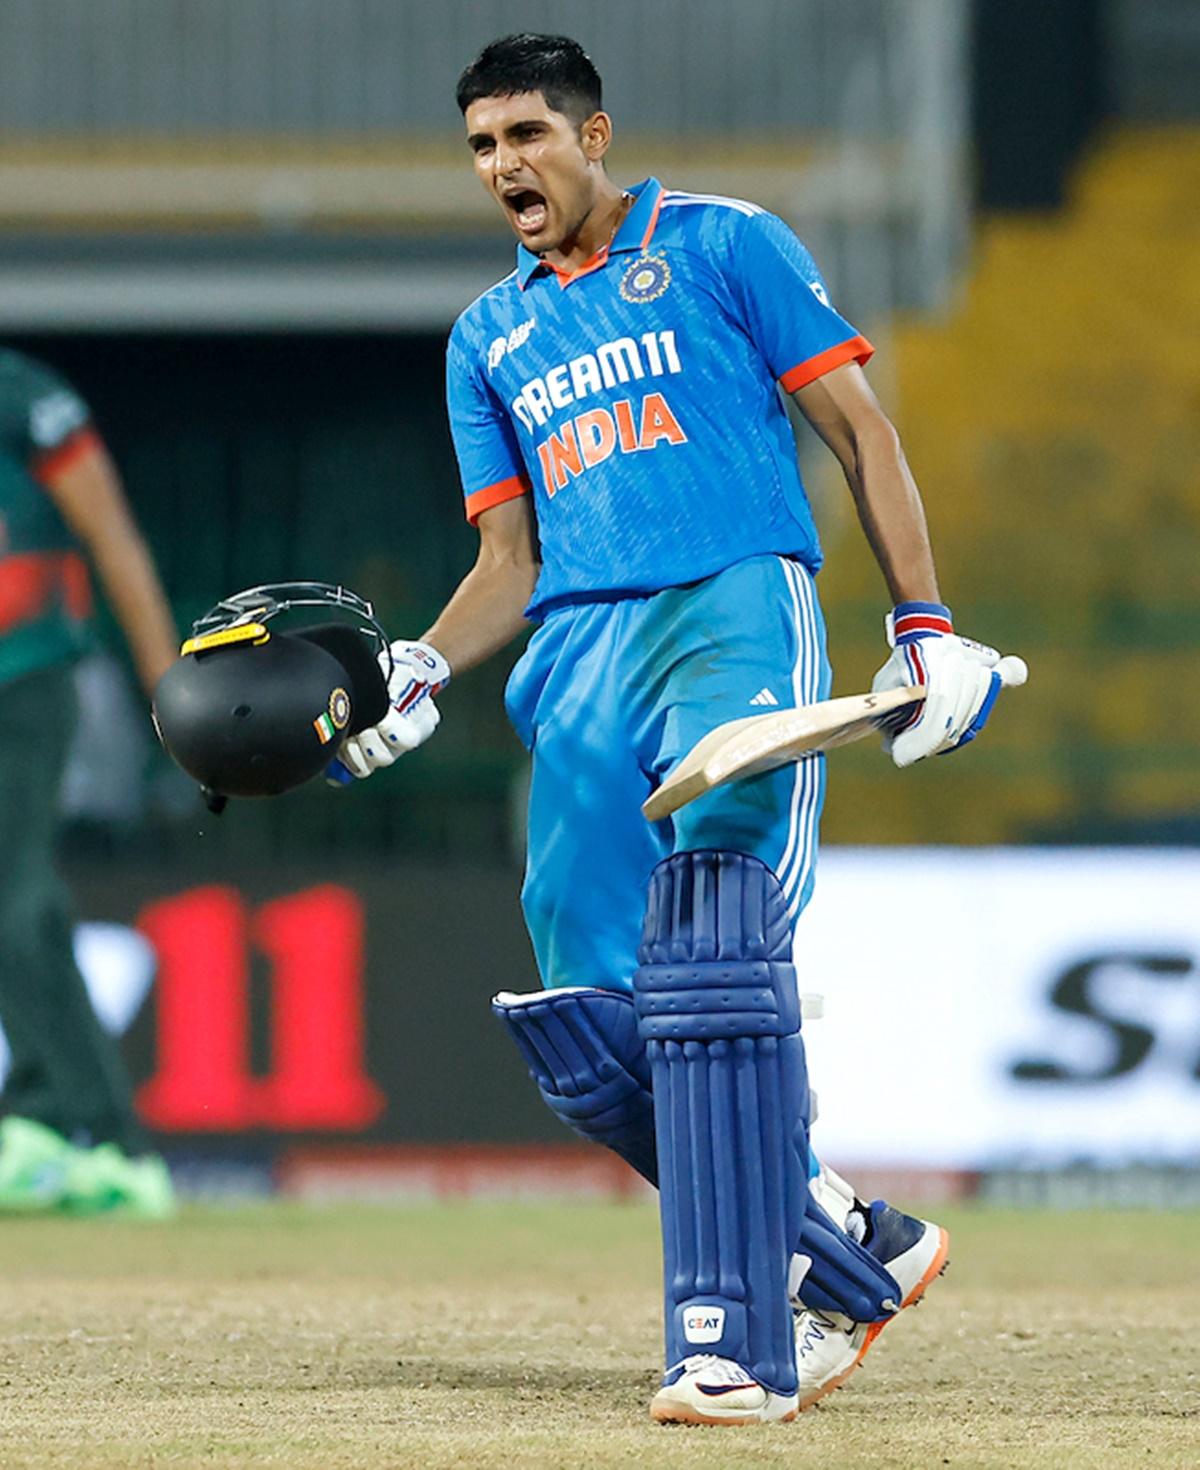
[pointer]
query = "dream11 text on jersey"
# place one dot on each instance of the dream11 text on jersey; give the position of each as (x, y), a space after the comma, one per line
(589, 438)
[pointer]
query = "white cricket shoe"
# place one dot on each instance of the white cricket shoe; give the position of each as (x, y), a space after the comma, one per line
(713, 1390)
(829, 1347)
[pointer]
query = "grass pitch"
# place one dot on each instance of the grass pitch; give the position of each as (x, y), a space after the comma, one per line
(528, 1335)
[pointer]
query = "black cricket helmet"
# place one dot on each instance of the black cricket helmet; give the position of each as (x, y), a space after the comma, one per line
(254, 710)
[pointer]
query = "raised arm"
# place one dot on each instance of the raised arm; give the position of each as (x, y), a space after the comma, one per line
(87, 491)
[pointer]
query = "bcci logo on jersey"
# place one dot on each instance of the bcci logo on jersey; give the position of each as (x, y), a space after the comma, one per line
(646, 279)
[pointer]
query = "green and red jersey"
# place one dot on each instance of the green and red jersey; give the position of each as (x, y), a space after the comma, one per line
(45, 593)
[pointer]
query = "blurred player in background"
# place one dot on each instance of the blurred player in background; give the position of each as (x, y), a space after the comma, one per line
(69, 1139)
(628, 461)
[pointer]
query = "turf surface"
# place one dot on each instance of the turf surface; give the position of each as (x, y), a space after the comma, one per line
(528, 1335)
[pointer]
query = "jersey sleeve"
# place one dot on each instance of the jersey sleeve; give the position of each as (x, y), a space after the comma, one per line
(489, 460)
(785, 306)
(54, 425)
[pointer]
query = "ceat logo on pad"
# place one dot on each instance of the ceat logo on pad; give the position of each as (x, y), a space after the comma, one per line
(704, 1324)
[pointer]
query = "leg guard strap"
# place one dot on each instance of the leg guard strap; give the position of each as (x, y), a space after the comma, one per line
(719, 1010)
(583, 1050)
(842, 1276)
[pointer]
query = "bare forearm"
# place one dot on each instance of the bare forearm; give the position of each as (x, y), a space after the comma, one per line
(135, 595)
(846, 414)
(486, 612)
(892, 516)
(89, 496)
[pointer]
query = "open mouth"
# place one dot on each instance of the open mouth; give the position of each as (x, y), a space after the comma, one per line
(528, 208)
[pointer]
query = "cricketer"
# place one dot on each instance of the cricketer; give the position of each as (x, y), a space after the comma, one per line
(617, 414)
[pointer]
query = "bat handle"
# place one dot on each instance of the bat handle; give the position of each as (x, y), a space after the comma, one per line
(1013, 671)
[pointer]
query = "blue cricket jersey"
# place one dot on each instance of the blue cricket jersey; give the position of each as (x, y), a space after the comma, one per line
(637, 401)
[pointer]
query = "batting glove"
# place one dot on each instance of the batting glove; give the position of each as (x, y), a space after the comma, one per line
(418, 672)
(959, 675)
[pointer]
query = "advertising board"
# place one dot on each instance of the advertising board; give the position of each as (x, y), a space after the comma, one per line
(984, 1009)
(987, 1008)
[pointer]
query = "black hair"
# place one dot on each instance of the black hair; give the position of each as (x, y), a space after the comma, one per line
(557, 67)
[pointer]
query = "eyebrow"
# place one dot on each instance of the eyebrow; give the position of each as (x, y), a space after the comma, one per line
(474, 139)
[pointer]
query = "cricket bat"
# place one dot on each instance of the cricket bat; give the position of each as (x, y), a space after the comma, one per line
(759, 743)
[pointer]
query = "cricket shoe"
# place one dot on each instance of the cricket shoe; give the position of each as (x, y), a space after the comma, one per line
(712, 1390)
(107, 1181)
(34, 1166)
(829, 1347)
(41, 1172)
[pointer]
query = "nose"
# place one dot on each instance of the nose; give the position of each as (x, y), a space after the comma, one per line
(504, 158)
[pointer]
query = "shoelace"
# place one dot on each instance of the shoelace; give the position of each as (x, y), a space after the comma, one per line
(817, 1329)
(721, 1370)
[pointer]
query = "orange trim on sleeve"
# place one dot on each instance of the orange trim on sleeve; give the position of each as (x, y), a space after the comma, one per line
(497, 494)
(83, 441)
(854, 349)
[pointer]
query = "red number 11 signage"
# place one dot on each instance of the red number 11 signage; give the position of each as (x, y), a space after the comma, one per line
(313, 942)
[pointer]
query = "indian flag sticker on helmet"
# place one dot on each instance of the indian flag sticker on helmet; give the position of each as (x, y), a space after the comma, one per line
(646, 279)
(323, 725)
(339, 709)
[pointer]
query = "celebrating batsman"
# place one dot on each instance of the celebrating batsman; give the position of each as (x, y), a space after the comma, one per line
(626, 456)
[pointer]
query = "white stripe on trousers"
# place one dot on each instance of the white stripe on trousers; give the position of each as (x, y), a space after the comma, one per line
(799, 852)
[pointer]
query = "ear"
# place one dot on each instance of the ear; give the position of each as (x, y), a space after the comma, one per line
(595, 135)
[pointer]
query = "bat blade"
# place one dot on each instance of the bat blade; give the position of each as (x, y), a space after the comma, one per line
(758, 743)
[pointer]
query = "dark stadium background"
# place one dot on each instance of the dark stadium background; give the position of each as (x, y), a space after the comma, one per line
(255, 453)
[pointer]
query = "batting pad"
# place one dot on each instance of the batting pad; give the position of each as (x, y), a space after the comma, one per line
(719, 1010)
(583, 1050)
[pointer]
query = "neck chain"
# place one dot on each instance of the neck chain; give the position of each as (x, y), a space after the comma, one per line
(622, 211)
